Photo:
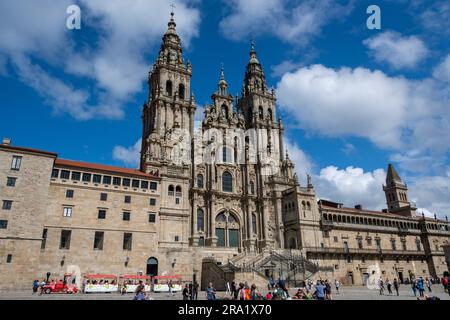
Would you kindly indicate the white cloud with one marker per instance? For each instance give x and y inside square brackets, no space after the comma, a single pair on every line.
[346,102]
[113,65]
[352,186]
[130,156]
[442,71]
[284,67]
[435,16]
[394,113]
[431,194]
[303,163]
[293,23]
[400,52]
[348,148]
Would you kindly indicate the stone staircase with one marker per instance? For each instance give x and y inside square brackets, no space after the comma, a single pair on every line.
[289,265]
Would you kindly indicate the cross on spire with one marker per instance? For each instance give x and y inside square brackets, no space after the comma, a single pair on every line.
[173,7]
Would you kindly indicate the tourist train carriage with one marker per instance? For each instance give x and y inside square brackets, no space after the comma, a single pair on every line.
[161,283]
[133,282]
[100,283]
[63,286]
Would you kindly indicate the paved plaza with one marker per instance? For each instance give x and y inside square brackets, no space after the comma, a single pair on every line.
[346,293]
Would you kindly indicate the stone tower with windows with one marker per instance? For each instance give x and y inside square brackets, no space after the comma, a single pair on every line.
[397,194]
[168,122]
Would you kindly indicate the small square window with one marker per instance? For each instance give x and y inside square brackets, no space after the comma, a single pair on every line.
[55,173]
[11,182]
[335,239]
[65,174]
[152,201]
[9,258]
[151,217]
[3,224]
[126,216]
[177,238]
[126,182]
[135,183]
[144,184]
[69,193]
[7,205]
[177,200]
[201,242]
[153,185]
[16,162]
[102,214]
[127,199]
[97,178]
[87,177]
[67,212]
[103,196]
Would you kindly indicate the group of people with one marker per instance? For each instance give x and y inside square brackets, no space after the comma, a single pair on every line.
[389,284]
[190,291]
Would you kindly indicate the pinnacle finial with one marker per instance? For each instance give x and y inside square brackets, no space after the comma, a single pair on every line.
[222,72]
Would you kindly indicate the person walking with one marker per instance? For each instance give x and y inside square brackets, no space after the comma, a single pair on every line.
[320,290]
[186,292]
[228,289]
[328,295]
[234,291]
[190,290]
[420,287]
[35,286]
[170,289]
[414,286]
[396,285]
[337,284]
[195,290]
[381,286]
[389,286]
[428,283]
[210,292]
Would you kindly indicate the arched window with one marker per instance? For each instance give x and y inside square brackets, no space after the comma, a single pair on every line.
[269,112]
[261,113]
[169,88]
[171,190]
[225,111]
[226,155]
[227,182]
[303,205]
[200,220]
[178,191]
[200,181]
[308,205]
[152,267]
[254,223]
[181,91]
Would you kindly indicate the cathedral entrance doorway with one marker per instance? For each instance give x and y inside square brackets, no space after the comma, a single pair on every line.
[152,267]
[227,230]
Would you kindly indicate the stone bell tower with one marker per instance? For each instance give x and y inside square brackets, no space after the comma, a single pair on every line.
[168,115]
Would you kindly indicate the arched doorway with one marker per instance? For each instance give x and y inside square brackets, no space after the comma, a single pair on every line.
[227,230]
[152,267]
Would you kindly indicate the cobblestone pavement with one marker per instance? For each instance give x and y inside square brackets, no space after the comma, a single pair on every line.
[346,293]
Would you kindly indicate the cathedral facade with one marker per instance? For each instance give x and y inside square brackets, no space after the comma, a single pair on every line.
[217,202]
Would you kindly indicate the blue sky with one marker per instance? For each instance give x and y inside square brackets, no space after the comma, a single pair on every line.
[352,99]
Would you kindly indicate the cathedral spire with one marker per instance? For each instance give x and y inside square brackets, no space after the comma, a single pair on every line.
[222,85]
[392,176]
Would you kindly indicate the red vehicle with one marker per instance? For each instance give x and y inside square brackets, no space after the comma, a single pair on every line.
[62,286]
